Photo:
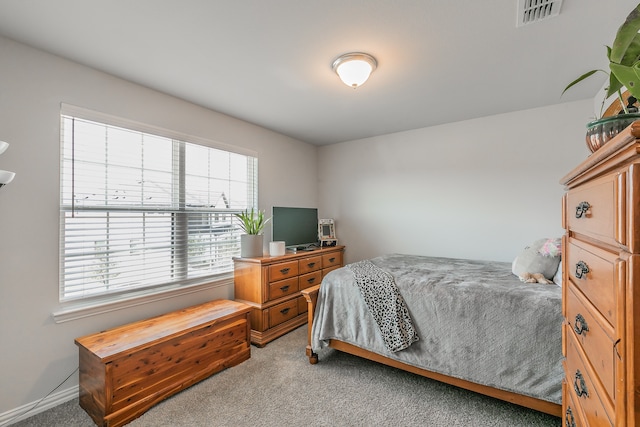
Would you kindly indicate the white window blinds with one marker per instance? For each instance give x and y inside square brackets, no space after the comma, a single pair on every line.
[140,211]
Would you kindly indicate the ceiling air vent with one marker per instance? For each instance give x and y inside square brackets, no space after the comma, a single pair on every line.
[530,11]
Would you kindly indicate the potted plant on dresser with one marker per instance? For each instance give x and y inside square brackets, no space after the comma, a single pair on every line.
[252,223]
[624,74]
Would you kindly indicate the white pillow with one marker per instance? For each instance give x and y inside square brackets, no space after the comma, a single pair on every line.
[557,278]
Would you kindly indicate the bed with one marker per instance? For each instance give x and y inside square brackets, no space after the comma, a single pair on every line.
[478,326]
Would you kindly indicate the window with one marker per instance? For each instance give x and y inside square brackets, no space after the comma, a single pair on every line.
[142,210]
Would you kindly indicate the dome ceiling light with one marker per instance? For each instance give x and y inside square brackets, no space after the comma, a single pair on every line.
[354,68]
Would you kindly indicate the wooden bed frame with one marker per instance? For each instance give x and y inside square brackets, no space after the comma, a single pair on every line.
[311,295]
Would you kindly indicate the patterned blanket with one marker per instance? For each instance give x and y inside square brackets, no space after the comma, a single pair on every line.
[386,305]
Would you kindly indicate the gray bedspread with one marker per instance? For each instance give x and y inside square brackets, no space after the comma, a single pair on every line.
[475,321]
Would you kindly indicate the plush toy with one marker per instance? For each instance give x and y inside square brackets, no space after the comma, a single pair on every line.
[538,262]
[534,278]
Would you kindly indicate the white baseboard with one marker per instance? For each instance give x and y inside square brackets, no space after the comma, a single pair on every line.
[28,410]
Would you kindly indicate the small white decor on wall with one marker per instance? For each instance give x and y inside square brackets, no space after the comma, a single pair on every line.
[5,176]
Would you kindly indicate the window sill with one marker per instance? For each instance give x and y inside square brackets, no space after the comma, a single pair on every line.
[80,309]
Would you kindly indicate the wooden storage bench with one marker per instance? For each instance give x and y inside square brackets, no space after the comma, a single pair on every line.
[126,370]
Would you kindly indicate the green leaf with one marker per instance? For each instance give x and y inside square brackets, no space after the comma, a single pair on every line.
[628,76]
[614,85]
[633,52]
[625,35]
[581,78]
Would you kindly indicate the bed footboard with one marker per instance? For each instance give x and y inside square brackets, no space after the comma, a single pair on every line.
[311,295]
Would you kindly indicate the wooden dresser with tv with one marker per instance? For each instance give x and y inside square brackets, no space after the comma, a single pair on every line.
[601,286]
[272,285]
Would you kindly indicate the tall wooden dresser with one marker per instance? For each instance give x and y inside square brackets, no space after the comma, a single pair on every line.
[272,285]
[601,286]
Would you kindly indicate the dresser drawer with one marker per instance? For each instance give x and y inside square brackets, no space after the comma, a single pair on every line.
[593,271]
[592,209]
[586,394]
[594,337]
[282,312]
[308,265]
[571,413]
[283,288]
[309,279]
[283,270]
[332,260]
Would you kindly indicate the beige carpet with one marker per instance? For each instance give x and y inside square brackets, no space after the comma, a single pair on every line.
[278,387]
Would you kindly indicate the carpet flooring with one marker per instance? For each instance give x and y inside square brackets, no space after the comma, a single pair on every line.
[278,387]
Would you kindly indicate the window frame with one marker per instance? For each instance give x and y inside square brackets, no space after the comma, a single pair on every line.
[87,306]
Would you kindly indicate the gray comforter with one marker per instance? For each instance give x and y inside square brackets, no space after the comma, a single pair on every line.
[475,321]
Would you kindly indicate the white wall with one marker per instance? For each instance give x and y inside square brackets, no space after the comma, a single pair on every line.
[478,189]
[36,354]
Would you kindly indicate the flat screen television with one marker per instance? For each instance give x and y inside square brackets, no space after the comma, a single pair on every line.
[297,227]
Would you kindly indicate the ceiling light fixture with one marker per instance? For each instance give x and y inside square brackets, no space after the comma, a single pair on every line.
[354,68]
[5,176]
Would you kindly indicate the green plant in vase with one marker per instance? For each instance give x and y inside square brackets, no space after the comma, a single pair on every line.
[624,60]
[252,223]
[624,72]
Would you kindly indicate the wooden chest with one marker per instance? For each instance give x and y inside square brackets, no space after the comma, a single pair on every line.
[600,300]
[272,285]
[126,370]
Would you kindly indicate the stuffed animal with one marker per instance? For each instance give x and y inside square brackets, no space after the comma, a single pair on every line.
[534,278]
[538,262]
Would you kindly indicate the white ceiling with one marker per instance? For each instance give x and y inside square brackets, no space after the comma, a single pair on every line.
[269,61]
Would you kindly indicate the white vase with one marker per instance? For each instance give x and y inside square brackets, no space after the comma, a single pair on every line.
[251,245]
[277,248]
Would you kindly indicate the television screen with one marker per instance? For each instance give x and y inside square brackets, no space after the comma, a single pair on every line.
[297,227]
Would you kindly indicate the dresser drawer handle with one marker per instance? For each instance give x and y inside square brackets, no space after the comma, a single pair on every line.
[311,280]
[311,264]
[581,326]
[581,269]
[285,310]
[284,270]
[332,260]
[284,288]
[579,385]
[569,420]
[582,209]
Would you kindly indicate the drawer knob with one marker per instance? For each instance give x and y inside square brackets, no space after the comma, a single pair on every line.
[569,420]
[332,259]
[582,209]
[285,310]
[581,269]
[580,326]
[284,288]
[311,280]
[311,264]
[284,270]
[579,385]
